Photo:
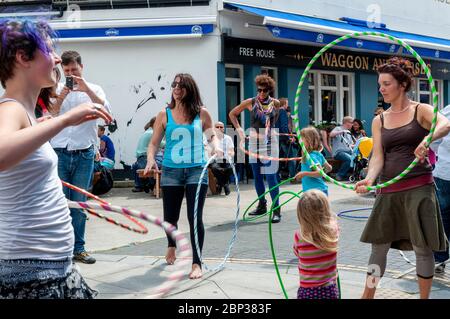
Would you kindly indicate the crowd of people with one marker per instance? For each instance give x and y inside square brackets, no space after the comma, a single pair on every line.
[50,132]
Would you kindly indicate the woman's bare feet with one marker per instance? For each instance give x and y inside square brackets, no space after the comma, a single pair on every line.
[196,272]
[170,255]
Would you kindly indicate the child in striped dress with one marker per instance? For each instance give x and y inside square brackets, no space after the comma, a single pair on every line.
[315,245]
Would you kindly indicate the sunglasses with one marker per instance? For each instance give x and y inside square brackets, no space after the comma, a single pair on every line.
[180,85]
[262,90]
[219,127]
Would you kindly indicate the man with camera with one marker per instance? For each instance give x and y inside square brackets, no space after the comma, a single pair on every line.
[75,145]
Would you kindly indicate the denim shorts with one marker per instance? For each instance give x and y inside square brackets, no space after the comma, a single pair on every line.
[182,176]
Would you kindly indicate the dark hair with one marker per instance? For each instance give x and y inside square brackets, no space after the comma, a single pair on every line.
[102,128]
[47,94]
[192,100]
[361,126]
[265,81]
[69,57]
[150,123]
[401,69]
[24,35]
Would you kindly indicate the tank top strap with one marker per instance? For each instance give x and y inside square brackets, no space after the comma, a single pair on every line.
[382,119]
[415,111]
[7,100]
[12,100]
[169,117]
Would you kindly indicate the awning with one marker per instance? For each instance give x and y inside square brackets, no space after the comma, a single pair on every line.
[322,31]
[133,29]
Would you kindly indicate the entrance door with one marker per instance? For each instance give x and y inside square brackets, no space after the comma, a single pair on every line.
[233,98]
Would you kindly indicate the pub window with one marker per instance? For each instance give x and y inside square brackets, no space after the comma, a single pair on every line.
[273,73]
[331,96]
[421,92]
[234,90]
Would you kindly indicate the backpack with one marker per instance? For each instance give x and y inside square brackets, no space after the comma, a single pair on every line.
[105,182]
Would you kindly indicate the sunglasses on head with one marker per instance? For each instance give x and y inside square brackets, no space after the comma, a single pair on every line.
[174,85]
[262,90]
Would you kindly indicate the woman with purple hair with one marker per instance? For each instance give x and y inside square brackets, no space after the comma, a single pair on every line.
[36,235]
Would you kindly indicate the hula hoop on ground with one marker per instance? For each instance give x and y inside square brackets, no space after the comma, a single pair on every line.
[304,76]
[143,229]
[236,221]
[182,242]
[343,214]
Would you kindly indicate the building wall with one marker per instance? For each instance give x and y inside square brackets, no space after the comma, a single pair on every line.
[131,72]
[366,91]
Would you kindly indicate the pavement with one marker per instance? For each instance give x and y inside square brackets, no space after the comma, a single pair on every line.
[130,265]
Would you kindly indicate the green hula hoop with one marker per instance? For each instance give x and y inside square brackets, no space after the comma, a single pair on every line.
[250,219]
[272,248]
[305,74]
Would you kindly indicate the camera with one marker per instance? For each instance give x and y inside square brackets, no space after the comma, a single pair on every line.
[69,82]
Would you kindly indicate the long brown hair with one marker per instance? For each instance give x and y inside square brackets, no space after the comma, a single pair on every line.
[47,94]
[192,100]
[318,224]
[312,138]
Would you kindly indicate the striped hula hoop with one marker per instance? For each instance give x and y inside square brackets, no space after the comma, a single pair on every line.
[236,221]
[182,243]
[304,77]
[265,157]
[143,230]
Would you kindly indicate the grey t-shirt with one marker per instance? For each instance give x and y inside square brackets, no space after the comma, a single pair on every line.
[341,142]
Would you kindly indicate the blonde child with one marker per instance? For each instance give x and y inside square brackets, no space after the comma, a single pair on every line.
[312,179]
[315,245]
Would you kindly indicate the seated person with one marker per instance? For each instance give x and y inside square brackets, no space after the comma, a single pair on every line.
[102,179]
[106,144]
[221,168]
[148,183]
[342,143]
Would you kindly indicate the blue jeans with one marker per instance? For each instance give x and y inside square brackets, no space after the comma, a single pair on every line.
[346,159]
[171,176]
[76,168]
[290,150]
[272,180]
[443,194]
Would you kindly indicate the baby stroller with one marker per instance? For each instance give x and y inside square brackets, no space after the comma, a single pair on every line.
[360,158]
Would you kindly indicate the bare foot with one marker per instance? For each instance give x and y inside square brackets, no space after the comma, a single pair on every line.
[170,255]
[196,272]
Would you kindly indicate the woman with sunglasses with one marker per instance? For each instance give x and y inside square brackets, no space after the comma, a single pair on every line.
[264,111]
[36,233]
[183,122]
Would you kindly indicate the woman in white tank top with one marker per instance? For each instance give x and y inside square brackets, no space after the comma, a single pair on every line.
[36,235]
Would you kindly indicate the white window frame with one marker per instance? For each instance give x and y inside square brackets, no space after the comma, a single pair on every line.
[440,87]
[241,84]
[339,89]
[275,77]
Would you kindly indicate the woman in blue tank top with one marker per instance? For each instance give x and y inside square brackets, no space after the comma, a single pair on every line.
[183,123]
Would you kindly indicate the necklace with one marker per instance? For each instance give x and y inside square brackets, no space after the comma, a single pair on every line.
[397,112]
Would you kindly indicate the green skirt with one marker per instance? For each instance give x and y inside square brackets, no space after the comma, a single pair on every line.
[407,218]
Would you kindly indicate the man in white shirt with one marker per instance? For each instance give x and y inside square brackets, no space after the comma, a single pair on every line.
[221,168]
[342,143]
[442,179]
[75,145]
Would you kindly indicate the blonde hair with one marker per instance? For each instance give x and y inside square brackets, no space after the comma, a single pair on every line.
[318,224]
[312,138]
